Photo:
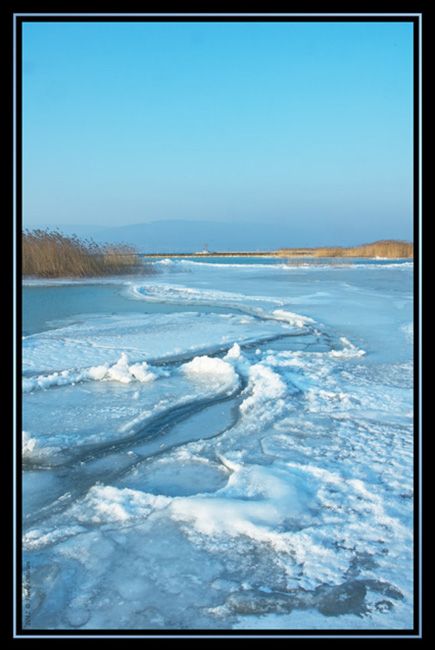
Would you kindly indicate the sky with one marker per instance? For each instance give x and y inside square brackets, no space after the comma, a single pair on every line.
[308,125]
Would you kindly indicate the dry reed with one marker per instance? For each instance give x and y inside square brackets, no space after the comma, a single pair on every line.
[389,248]
[51,254]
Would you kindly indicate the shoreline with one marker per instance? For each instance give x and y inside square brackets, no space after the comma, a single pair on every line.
[269,255]
[378,250]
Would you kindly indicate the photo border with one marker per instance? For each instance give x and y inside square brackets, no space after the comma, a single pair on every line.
[88,16]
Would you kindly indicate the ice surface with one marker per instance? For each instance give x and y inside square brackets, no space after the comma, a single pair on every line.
[120,371]
[266,392]
[243,462]
[29,444]
[290,317]
[213,371]
[176,474]
[100,340]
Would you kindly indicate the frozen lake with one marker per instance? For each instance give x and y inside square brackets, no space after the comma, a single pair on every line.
[223,444]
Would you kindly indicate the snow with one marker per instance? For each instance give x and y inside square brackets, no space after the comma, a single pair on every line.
[348,351]
[124,373]
[242,460]
[212,371]
[120,371]
[29,444]
[408,330]
[234,352]
[186,294]
[291,318]
[105,504]
[264,386]
[101,339]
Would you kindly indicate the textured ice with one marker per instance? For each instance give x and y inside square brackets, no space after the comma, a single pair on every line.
[190,474]
[29,444]
[408,330]
[91,415]
[264,386]
[242,470]
[314,265]
[213,371]
[175,293]
[291,318]
[120,371]
[100,340]
[233,352]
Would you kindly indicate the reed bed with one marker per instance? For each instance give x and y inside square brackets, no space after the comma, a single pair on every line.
[51,254]
[389,248]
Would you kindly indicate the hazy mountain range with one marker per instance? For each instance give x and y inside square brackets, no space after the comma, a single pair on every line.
[185,236]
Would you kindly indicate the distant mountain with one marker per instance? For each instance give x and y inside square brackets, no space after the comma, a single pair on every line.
[188,236]
[183,236]
[81,230]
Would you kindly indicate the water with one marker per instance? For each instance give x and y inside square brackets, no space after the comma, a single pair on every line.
[222,444]
[43,306]
[301,261]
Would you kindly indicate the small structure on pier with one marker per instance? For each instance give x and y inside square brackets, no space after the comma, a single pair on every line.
[204,251]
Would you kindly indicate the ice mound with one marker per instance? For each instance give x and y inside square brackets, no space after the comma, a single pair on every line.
[120,371]
[264,385]
[32,451]
[106,504]
[291,318]
[254,503]
[61,378]
[37,539]
[349,350]
[234,352]
[29,444]
[218,373]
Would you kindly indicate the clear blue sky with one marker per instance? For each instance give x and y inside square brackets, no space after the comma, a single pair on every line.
[300,123]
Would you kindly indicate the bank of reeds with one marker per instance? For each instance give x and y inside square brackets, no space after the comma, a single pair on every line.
[389,248]
[51,254]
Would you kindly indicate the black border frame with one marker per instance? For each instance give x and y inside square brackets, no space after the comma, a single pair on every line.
[18,18]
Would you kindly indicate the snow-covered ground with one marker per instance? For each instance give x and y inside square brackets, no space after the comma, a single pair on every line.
[220,446]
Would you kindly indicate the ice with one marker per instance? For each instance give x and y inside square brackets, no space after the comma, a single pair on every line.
[100,340]
[32,450]
[88,416]
[120,371]
[213,371]
[106,504]
[349,350]
[408,330]
[184,294]
[242,460]
[234,352]
[291,318]
[266,392]
[190,475]
[29,444]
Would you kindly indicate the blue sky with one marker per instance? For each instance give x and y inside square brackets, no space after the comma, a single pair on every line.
[307,124]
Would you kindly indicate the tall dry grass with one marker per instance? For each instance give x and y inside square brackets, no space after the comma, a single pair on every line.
[51,254]
[384,248]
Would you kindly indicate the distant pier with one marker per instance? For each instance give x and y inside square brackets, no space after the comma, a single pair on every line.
[226,254]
